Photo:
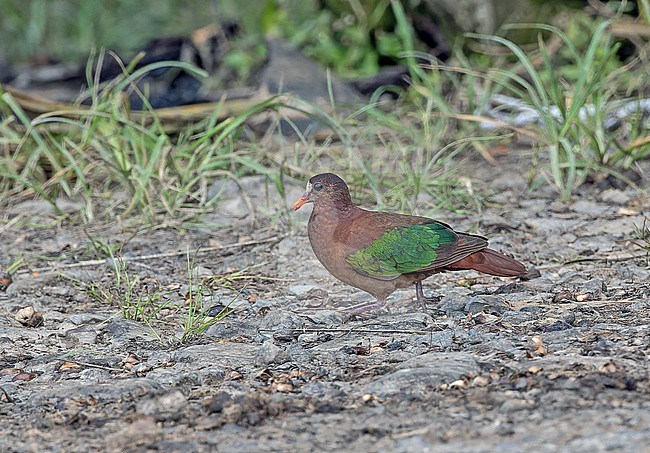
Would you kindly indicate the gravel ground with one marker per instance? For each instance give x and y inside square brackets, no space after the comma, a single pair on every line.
[556,363]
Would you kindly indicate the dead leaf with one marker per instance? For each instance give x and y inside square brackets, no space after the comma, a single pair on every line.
[466,282]
[233,375]
[537,345]
[265,375]
[5,281]
[609,367]
[377,348]
[498,150]
[70,367]
[484,318]
[24,377]
[29,317]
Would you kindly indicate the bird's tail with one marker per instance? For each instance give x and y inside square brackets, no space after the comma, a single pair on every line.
[490,262]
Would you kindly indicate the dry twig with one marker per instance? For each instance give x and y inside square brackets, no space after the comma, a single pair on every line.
[155,256]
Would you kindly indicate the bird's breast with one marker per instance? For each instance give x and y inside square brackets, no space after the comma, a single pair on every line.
[327,246]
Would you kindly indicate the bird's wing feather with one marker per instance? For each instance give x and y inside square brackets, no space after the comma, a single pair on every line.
[420,247]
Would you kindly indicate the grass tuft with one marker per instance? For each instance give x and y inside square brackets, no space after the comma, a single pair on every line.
[574,132]
[642,235]
[175,312]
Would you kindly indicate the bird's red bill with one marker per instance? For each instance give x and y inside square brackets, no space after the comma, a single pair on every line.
[301,201]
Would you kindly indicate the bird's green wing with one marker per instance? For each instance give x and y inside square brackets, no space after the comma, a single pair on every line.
[403,249]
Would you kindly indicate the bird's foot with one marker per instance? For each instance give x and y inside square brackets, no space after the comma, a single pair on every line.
[366,309]
[424,300]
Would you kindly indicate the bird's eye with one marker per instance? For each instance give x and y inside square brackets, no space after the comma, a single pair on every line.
[318,187]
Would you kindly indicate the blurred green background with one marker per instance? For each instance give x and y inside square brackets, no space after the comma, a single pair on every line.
[355,36]
[68,29]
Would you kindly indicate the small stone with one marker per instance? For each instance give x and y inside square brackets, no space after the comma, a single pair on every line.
[281,319]
[166,407]
[269,353]
[288,246]
[458,384]
[594,285]
[627,212]
[452,304]
[488,304]
[285,335]
[563,297]
[521,384]
[83,335]
[431,370]
[94,374]
[569,317]
[516,317]
[327,317]
[124,330]
[615,196]
[476,305]
[304,291]
[480,381]
[85,318]
[547,226]
[531,274]
[513,405]
[141,431]
[5,281]
[609,367]
[589,207]
[202,271]
[284,388]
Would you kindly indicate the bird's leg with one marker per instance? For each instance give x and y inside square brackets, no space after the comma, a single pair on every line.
[422,299]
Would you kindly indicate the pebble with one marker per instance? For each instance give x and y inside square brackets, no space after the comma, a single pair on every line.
[269,353]
[124,330]
[166,407]
[615,196]
[590,208]
[552,226]
[425,371]
[86,318]
[303,290]
[513,405]
[453,304]
[83,335]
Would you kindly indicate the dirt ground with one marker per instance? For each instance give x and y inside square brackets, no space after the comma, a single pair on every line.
[557,363]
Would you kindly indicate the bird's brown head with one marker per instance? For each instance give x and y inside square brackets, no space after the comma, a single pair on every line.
[325,189]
